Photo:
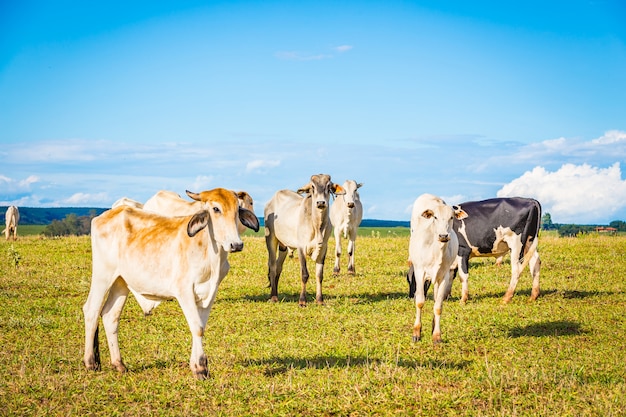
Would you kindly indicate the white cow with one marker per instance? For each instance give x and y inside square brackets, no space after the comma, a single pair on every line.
[346,214]
[125,201]
[433,249]
[299,220]
[12,217]
[161,258]
[169,203]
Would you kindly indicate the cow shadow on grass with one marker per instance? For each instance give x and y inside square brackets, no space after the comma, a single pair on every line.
[525,294]
[550,328]
[281,365]
[293,297]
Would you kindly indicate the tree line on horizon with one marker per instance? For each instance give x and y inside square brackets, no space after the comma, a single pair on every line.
[66,221]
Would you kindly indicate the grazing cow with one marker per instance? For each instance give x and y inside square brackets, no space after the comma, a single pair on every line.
[495,227]
[12,217]
[161,258]
[299,222]
[345,215]
[168,203]
[433,249]
[125,201]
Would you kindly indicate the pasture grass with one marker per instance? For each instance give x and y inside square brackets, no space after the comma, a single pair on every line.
[563,354]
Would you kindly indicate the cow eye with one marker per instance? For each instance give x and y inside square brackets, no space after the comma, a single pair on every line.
[216,210]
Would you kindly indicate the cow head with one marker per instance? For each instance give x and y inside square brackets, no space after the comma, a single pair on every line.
[220,212]
[351,194]
[433,217]
[320,188]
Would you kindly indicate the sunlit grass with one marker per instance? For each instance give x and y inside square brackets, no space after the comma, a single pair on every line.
[561,355]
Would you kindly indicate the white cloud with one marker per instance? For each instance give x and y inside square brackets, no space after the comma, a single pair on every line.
[202,183]
[85,198]
[261,165]
[610,137]
[343,48]
[573,193]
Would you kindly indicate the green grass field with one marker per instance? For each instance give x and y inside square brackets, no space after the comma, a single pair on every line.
[562,355]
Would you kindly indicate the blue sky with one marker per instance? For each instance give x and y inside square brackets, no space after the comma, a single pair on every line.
[466,100]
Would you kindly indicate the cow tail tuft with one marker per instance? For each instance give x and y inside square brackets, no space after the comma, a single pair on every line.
[96,349]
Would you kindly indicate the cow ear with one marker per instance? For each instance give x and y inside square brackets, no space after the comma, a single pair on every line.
[359,185]
[198,221]
[249,219]
[337,189]
[459,213]
[304,190]
[240,194]
[192,195]
[427,214]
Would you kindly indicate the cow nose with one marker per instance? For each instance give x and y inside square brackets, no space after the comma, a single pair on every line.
[351,205]
[321,204]
[444,237]
[236,246]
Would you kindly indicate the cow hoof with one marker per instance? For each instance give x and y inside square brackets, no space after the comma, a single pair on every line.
[274,299]
[92,366]
[336,271]
[201,375]
[416,339]
[437,341]
[302,304]
[120,367]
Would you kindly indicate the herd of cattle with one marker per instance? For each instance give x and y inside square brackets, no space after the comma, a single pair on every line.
[172,248]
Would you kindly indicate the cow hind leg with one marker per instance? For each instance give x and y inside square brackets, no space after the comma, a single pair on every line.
[304,273]
[91,312]
[111,313]
[535,267]
[337,267]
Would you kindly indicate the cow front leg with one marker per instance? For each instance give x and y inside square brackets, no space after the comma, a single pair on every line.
[439,294]
[420,299]
[319,278]
[351,247]
[515,273]
[197,360]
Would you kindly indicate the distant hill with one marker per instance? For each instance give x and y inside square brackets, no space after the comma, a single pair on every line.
[45,216]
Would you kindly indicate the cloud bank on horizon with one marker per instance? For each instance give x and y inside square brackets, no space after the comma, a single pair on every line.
[96,173]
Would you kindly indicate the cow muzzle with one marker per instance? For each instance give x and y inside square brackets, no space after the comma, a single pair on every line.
[321,204]
[350,204]
[236,246]
[444,238]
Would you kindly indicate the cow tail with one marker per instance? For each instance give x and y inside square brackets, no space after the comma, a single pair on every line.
[96,349]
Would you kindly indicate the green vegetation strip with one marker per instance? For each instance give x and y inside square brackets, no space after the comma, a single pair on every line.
[561,355]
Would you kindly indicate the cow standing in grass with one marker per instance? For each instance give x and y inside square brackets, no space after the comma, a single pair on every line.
[300,221]
[345,215]
[494,228]
[12,217]
[433,249]
[161,258]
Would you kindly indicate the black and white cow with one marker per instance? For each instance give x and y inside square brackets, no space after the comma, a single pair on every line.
[494,227]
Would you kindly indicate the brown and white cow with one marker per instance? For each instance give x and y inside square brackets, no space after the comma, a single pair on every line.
[346,214]
[161,258]
[496,227]
[433,249]
[12,217]
[300,221]
[169,203]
